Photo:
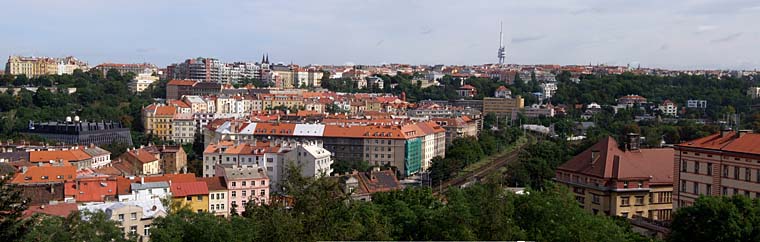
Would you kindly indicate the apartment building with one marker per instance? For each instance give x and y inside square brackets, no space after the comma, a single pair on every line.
[503,107]
[124,68]
[141,82]
[399,145]
[184,128]
[722,164]
[141,161]
[217,193]
[314,160]
[668,108]
[135,218]
[629,182]
[192,195]
[245,184]
[198,69]
[457,128]
[158,120]
[40,66]
[175,89]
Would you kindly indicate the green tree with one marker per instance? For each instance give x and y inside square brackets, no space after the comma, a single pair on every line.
[734,218]
[78,226]
[12,205]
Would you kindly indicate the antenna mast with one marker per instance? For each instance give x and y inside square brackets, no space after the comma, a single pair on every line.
[502,53]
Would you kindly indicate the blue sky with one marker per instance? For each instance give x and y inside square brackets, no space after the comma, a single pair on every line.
[671,34]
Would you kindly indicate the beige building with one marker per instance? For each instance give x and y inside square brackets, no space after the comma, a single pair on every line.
[722,164]
[135,218]
[627,183]
[503,107]
[457,127]
[40,66]
[184,128]
[141,82]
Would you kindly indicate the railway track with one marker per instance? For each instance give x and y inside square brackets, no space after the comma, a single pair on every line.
[481,171]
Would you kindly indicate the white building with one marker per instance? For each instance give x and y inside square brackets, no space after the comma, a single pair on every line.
[184,128]
[144,191]
[100,157]
[696,103]
[669,108]
[754,92]
[314,160]
[548,89]
[141,82]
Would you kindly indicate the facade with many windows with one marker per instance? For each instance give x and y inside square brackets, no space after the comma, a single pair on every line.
[722,164]
[627,183]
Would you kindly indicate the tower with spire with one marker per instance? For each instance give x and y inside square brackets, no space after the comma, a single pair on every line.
[502,54]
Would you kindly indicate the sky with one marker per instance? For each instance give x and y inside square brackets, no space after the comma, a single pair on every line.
[673,34]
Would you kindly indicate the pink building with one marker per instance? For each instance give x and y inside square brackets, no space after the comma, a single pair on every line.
[244,184]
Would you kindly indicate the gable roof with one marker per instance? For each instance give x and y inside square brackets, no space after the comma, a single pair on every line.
[655,165]
[183,189]
[748,143]
[55,155]
[44,174]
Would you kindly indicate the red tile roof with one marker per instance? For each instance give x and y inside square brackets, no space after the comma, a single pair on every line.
[748,143]
[183,189]
[65,155]
[44,174]
[60,210]
[614,163]
[216,183]
[181,83]
[142,155]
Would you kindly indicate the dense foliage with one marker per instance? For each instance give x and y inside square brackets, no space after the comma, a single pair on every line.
[78,226]
[480,212]
[97,97]
[12,205]
[724,95]
[734,218]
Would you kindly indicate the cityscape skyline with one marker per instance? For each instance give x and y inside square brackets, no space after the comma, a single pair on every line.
[675,35]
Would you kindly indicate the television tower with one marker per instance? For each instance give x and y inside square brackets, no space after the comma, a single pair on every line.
[502,52]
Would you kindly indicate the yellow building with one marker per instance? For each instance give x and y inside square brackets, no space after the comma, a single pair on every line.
[142,161]
[40,66]
[503,107]
[191,195]
[158,119]
[627,183]
[270,101]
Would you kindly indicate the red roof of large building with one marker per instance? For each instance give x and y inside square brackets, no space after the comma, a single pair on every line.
[611,162]
[43,174]
[730,141]
[180,83]
[184,189]
[57,155]
[60,210]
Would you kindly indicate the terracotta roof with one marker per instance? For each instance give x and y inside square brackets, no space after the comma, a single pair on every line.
[179,103]
[188,177]
[216,183]
[142,155]
[60,209]
[656,165]
[95,189]
[44,174]
[183,189]
[181,83]
[165,110]
[748,143]
[65,155]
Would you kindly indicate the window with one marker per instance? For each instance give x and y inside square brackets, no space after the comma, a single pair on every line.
[594,198]
[641,184]
[234,194]
[243,183]
[709,169]
[133,229]
[234,184]
[189,198]
[200,197]
[708,189]
[262,192]
[725,171]
[243,193]
[625,184]
[725,191]
[639,200]
[625,201]
[736,172]
[696,167]
[683,166]
[683,186]
[696,188]
[747,174]
[146,230]
[121,217]
[133,216]
[624,215]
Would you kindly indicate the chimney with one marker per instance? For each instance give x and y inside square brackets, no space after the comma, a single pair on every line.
[634,142]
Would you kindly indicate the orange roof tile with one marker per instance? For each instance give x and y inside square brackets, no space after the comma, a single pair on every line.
[65,155]
[181,83]
[183,189]
[43,174]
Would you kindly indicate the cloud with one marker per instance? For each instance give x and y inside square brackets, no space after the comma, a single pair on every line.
[519,40]
[727,38]
[705,28]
